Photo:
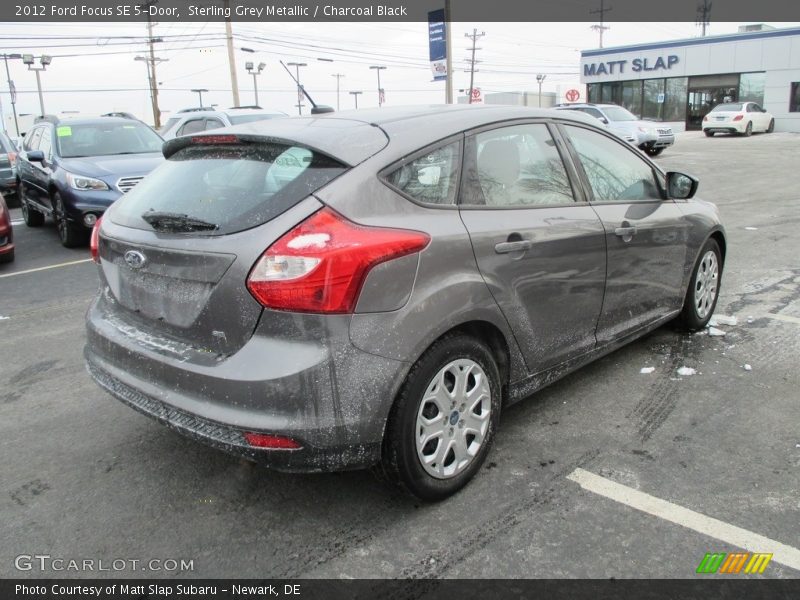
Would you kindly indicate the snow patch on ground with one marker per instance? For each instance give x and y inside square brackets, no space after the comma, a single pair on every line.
[722,320]
[647,370]
[685,371]
[713,331]
[2,318]
[747,367]
[751,228]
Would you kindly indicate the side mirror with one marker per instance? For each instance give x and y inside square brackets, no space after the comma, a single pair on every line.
[681,186]
[35,156]
[604,120]
[763,110]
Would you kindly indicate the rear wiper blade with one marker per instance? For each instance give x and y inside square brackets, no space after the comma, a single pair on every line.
[167,221]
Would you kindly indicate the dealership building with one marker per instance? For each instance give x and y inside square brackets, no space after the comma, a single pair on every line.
[682,80]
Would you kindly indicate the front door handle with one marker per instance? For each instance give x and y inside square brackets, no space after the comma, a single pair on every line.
[517,246]
[625,231]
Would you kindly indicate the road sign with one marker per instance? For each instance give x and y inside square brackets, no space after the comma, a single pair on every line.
[476,95]
[572,95]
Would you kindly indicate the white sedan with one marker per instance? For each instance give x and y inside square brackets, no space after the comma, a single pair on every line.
[738,117]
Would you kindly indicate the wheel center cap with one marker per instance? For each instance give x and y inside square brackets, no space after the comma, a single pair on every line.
[454,417]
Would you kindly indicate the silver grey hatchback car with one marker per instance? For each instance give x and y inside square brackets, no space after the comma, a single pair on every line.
[372,288]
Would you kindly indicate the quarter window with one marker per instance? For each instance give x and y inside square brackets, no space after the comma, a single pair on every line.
[515,166]
[431,177]
[614,172]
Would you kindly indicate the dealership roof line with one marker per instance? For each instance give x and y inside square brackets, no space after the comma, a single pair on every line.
[730,37]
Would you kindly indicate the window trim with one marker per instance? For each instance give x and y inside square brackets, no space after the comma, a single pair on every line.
[578,195]
[383,173]
[584,178]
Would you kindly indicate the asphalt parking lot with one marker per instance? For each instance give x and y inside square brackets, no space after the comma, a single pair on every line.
[83,476]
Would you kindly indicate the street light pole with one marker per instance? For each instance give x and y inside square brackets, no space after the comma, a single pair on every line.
[378,70]
[44,60]
[255,71]
[540,78]
[200,91]
[299,87]
[355,97]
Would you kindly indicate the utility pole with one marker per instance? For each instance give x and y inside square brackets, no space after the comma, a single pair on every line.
[355,97]
[231,58]
[338,77]
[474,37]
[703,14]
[299,104]
[151,65]
[12,91]
[602,12]
[378,69]
[448,84]
[540,79]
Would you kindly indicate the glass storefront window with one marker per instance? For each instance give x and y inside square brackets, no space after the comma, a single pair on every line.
[632,96]
[651,107]
[751,87]
[794,99]
[594,93]
[675,99]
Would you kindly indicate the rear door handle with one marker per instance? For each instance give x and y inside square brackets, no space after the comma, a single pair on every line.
[517,246]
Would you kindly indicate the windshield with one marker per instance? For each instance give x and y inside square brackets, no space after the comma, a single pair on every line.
[224,189]
[617,113]
[238,119]
[168,125]
[106,139]
[730,107]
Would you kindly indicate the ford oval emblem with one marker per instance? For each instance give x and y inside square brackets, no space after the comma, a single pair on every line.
[135,259]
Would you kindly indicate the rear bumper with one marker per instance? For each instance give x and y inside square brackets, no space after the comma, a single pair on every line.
[726,127]
[327,395]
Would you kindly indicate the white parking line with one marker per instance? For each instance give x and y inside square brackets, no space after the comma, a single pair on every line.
[66,264]
[725,532]
[17,222]
[784,318]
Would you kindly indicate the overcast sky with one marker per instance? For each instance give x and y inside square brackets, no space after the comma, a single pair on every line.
[103,75]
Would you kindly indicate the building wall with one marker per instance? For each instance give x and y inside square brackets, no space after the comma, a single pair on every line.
[775,52]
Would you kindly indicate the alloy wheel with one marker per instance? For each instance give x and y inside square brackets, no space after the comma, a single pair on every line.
[706,284]
[453,418]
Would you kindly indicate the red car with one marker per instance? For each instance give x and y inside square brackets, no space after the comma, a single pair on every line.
[6,234]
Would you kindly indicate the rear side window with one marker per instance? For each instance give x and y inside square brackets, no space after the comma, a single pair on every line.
[431,177]
[230,187]
[192,126]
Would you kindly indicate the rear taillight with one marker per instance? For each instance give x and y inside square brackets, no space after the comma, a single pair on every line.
[320,265]
[738,117]
[12,158]
[266,440]
[94,241]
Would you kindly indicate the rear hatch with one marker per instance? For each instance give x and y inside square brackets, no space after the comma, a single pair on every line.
[177,249]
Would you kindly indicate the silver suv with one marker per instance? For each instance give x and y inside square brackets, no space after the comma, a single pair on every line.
[195,120]
[375,287]
[648,136]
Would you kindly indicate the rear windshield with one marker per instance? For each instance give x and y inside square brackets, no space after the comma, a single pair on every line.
[107,138]
[229,188]
[239,119]
[731,107]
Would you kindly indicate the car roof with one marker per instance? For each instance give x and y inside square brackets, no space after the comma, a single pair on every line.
[89,121]
[353,136]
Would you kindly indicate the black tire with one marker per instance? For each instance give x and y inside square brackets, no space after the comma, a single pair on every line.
[72,236]
[400,463]
[748,131]
[7,257]
[654,151]
[771,127]
[708,133]
[691,318]
[31,216]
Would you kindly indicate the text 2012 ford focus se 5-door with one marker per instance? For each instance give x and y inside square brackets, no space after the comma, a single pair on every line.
[365,288]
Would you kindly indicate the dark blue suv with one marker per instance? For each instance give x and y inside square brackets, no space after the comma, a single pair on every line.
[72,170]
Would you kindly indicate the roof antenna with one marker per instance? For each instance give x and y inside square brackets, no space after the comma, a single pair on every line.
[316,109]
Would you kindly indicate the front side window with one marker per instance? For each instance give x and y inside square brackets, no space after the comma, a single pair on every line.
[516,166]
[32,139]
[615,173]
[46,144]
[192,126]
[431,177]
